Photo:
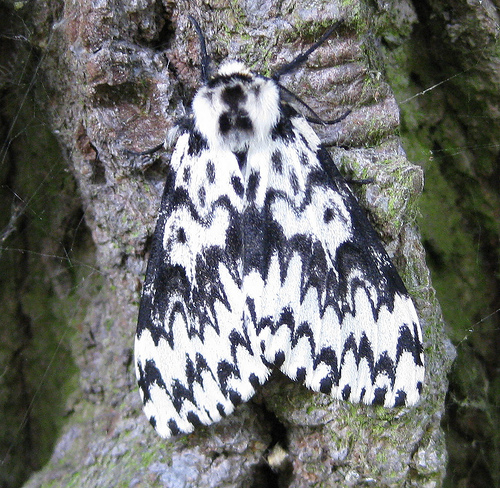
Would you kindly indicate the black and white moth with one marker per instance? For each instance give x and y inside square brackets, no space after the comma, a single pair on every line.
[263,258]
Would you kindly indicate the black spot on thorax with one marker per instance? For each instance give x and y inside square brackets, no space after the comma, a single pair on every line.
[233,96]
[241,157]
[237,119]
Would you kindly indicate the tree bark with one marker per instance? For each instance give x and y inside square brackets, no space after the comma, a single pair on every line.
[442,60]
[112,78]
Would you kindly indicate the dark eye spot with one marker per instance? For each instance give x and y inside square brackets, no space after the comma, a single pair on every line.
[304,159]
[186,176]
[210,172]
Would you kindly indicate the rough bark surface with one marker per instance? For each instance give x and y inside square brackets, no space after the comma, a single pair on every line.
[443,61]
[111,77]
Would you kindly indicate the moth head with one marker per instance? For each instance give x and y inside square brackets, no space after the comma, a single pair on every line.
[236,108]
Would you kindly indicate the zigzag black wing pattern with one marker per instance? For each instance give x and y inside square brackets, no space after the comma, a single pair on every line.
[194,357]
[262,257]
[328,305]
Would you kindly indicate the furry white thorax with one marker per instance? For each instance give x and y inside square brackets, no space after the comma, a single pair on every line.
[246,102]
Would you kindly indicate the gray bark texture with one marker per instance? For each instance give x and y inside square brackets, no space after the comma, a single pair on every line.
[83,82]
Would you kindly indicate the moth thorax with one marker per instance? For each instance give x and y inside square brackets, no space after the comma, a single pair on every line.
[236,110]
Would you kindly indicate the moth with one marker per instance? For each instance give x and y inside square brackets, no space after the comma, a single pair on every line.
[262,258]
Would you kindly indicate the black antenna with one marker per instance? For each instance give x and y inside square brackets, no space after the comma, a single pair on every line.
[292,95]
[315,119]
[301,58]
[205,60]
